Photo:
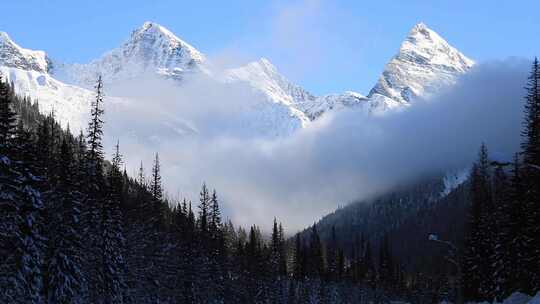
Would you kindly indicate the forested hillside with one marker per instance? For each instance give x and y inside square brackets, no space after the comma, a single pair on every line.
[480,242]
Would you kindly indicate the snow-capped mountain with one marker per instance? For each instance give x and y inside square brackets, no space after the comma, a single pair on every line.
[29,70]
[69,103]
[14,56]
[150,48]
[67,89]
[425,63]
[263,77]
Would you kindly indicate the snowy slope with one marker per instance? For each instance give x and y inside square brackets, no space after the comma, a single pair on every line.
[69,103]
[28,71]
[332,102]
[425,63]
[263,77]
[452,180]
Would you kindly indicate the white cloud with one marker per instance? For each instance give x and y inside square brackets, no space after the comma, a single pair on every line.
[343,157]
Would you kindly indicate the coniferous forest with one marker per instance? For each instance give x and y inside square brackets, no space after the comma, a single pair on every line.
[76,228]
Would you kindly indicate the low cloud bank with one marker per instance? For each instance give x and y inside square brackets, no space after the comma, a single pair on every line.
[206,131]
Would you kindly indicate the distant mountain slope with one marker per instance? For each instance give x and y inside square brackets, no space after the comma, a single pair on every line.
[407,215]
[70,104]
[264,77]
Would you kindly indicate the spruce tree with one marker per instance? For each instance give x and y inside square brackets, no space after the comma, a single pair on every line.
[7,118]
[204,211]
[340,264]
[80,159]
[95,195]
[112,249]
[473,255]
[510,256]
[141,179]
[500,234]
[298,270]
[21,211]
[65,279]
[331,256]
[155,185]
[215,217]
[95,133]
[531,171]
[316,259]
[217,250]
[32,241]
[479,240]
[274,249]
[371,274]
[282,252]
[386,264]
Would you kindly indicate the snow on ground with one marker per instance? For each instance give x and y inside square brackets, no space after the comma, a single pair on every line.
[69,103]
[453,179]
[535,300]
[517,298]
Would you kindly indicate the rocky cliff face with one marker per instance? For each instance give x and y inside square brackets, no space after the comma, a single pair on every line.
[425,63]
[12,55]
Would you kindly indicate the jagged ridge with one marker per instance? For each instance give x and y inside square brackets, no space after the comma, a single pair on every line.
[425,62]
[150,48]
[12,55]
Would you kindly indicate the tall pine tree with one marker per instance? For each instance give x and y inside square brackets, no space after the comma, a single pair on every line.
[112,250]
[479,240]
[531,171]
[65,279]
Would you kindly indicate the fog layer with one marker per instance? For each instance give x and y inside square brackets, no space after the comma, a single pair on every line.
[206,131]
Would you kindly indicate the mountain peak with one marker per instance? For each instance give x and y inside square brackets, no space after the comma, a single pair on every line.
[425,62]
[148,24]
[421,32]
[421,36]
[264,66]
[266,62]
[156,35]
[419,27]
[4,37]
[150,48]
[12,55]
[155,29]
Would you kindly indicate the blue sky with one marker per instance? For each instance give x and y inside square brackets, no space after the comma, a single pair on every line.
[325,46]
